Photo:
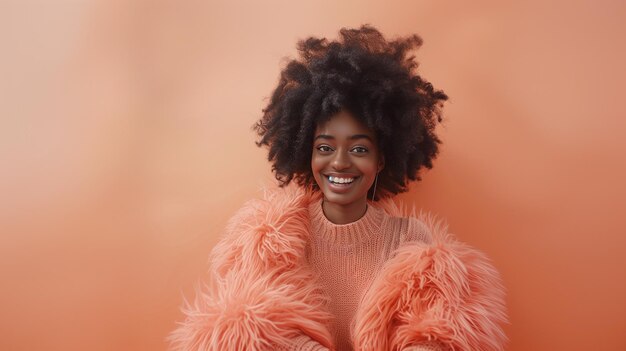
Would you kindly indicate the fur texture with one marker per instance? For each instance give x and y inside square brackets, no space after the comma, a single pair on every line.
[262,293]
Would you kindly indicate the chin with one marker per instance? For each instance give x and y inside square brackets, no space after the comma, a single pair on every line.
[342,199]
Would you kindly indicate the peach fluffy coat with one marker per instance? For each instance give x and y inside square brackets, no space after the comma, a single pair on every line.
[261,291]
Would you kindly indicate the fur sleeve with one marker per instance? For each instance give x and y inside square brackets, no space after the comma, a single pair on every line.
[258,294]
[236,314]
[446,291]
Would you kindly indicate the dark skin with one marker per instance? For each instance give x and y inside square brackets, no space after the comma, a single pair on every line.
[346,151]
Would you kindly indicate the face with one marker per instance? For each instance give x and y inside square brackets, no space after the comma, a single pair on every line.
[345,159]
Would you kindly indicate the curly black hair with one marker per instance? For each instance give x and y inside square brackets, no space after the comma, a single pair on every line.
[370,77]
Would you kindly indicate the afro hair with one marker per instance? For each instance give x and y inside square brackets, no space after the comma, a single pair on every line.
[375,80]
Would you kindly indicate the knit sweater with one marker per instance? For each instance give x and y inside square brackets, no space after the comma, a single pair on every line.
[347,257]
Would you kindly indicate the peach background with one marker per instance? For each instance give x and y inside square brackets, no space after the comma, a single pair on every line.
[125,144]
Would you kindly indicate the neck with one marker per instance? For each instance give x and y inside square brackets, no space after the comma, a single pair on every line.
[342,214]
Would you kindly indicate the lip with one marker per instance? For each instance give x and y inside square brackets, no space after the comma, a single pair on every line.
[341,188]
[341,175]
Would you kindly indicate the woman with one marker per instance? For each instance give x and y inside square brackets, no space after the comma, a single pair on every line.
[330,262]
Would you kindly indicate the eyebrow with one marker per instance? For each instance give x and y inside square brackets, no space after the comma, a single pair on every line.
[352,137]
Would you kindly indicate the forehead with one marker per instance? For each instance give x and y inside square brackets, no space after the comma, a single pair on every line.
[343,123]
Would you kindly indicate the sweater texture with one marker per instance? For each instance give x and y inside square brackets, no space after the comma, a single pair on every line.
[346,258]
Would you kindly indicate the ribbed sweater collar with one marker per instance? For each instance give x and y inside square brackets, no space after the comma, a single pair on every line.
[361,230]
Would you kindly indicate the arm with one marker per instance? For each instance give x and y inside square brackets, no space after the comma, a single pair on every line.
[256,297]
[444,290]
[239,314]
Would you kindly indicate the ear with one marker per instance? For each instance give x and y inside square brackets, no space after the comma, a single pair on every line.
[381,162]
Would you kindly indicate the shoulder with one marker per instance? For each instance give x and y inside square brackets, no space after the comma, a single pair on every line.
[409,229]
[410,224]
[274,207]
[266,232]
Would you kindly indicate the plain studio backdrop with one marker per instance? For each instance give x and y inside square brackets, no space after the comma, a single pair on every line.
[125,145]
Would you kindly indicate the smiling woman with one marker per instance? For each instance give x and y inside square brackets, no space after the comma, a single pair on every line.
[330,262]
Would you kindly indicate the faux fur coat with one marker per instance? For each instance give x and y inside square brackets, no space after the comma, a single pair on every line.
[261,291]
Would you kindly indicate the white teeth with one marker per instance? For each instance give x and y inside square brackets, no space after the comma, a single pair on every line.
[340,180]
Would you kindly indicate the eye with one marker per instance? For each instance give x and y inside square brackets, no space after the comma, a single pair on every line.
[359,149]
[324,148]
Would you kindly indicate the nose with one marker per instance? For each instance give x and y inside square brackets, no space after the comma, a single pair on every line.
[341,160]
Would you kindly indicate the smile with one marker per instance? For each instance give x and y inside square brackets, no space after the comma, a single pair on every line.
[340,180]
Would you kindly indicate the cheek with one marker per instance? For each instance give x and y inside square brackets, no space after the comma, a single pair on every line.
[369,166]
[314,164]
[315,168]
